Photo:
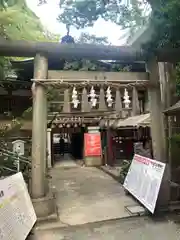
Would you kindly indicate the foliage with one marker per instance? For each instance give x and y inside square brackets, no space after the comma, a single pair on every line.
[124,170]
[166,22]
[177,76]
[87,65]
[92,39]
[14,126]
[8,160]
[162,15]
[84,13]
[132,14]
[18,22]
[175,139]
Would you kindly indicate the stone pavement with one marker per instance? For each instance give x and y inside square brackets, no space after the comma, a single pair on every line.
[64,161]
[142,228]
[87,195]
[91,205]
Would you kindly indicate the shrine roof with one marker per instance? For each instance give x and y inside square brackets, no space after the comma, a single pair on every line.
[142,120]
[173,109]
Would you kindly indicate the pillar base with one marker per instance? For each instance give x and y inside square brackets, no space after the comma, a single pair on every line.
[93,161]
[45,207]
[163,200]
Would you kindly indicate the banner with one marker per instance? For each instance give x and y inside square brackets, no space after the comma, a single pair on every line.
[17,215]
[143,180]
[92,144]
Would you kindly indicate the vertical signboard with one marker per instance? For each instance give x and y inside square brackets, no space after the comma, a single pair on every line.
[17,215]
[143,180]
[92,142]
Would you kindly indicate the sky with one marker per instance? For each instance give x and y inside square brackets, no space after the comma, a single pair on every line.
[48,14]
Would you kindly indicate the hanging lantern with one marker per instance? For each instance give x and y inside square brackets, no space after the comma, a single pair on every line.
[75,100]
[93,96]
[109,97]
[68,125]
[126,98]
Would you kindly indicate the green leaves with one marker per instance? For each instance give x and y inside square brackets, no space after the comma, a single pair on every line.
[18,22]
[92,39]
[166,22]
[84,13]
[124,170]
[178,79]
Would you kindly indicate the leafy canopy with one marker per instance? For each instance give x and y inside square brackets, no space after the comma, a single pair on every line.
[92,39]
[84,13]
[166,22]
[18,22]
[131,14]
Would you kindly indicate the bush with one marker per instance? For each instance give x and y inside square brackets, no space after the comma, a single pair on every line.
[124,170]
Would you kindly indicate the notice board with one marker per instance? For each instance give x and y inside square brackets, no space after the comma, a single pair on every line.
[92,144]
[143,180]
[17,215]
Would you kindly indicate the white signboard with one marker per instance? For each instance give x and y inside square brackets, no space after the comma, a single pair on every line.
[17,215]
[143,180]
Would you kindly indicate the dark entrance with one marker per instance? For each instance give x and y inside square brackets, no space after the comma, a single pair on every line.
[74,143]
[77,145]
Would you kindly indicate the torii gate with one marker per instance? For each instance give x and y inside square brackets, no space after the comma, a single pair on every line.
[42,198]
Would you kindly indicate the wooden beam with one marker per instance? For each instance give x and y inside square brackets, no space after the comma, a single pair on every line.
[21,48]
[80,76]
[69,51]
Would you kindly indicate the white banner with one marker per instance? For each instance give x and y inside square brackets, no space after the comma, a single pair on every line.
[143,180]
[17,215]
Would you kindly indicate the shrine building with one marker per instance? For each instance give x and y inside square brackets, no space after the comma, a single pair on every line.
[119,95]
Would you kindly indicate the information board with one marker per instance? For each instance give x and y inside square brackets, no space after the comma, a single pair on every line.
[143,180]
[17,215]
[92,143]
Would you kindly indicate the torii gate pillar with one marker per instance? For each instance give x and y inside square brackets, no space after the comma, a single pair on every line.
[158,130]
[42,199]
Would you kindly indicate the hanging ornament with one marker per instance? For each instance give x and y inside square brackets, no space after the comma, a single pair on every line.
[75,100]
[109,97]
[126,98]
[93,96]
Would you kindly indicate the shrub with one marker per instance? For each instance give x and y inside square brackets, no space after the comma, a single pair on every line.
[124,170]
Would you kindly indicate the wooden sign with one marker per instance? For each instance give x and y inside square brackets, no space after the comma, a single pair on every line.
[92,144]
